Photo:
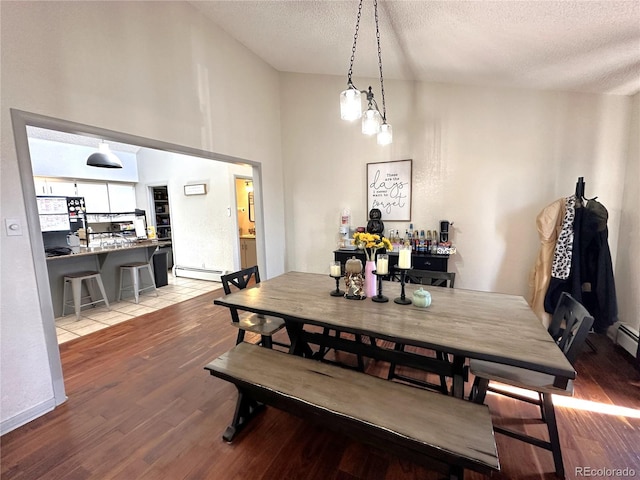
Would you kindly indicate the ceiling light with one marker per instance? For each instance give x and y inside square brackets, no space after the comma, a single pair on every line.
[373,122]
[248,186]
[104,158]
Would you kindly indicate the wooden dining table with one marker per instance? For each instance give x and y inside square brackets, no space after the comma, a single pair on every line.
[462,323]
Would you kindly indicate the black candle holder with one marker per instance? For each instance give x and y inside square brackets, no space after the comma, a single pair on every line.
[337,292]
[379,298]
[402,300]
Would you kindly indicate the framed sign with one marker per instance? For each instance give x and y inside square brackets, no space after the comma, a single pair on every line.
[196,189]
[389,189]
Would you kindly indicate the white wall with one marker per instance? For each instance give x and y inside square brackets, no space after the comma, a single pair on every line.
[487,159]
[154,69]
[627,268]
[55,159]
[204,235]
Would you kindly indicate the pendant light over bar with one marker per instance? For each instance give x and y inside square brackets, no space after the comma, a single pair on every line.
[373,122]
[104,158]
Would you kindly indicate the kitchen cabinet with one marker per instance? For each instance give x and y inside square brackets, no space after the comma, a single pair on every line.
[248,254]
[58,188]
[122,197]
[96,196]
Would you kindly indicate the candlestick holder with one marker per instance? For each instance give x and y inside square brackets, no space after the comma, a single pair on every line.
[402,300]
[337,292]
[379,298]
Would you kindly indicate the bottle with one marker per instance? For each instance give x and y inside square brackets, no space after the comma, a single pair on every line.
[434,243]
[428,241]
[410,231]
[421,245]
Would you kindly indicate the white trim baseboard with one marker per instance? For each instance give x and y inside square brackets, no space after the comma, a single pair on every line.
[26,416]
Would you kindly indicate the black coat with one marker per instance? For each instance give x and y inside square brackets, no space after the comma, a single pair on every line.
[591,280]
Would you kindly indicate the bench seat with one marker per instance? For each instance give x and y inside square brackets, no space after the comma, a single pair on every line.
[442,432]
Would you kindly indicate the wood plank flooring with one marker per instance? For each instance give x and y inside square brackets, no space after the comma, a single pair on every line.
[141,406]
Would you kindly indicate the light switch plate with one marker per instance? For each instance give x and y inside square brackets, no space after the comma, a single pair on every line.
[13,227]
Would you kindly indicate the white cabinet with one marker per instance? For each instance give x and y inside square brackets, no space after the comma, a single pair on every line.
[96,196]
[52,186]
[122,197]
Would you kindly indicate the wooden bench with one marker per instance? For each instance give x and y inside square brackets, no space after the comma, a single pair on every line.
[444,433]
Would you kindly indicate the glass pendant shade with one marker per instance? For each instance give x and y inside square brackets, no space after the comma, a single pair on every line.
[385,135]
[350,104]
[371,121]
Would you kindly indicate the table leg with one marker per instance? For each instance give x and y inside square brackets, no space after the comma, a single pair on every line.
[459,377]
[298,345]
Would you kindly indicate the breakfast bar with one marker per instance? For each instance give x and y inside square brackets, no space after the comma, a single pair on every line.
[106,260]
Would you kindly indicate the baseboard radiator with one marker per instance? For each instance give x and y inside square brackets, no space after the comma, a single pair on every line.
[198,273]
[627,338]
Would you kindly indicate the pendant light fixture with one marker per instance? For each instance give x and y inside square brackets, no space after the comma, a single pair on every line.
[373,122]
[104,157]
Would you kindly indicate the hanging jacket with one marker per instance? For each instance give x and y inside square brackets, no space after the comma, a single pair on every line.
[596,270]
[549,223]
[591,280]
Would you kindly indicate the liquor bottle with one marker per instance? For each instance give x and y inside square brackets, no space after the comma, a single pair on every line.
[434,243]
[428,241]
[421,245]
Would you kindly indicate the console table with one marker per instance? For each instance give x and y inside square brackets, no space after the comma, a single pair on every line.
[420,261]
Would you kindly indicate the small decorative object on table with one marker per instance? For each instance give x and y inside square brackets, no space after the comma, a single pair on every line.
[371,243]
[421,298]
[404,264]
[335,271]
[354,280]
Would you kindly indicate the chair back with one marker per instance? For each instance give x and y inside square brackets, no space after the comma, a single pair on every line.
[570,326]
[429,277]
[240,280]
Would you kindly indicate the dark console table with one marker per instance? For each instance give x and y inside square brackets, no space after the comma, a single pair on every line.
[420,261]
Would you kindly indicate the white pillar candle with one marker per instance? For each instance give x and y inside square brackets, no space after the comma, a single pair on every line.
[382,265]
[404,258]
[335,271]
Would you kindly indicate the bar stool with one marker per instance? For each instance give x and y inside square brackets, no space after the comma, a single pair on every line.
[134,270]
[75,281]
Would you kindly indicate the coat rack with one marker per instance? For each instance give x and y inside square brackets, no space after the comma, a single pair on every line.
[580,188]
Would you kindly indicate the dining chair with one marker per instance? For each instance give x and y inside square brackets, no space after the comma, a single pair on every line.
[263,325]
[437,279]
[569,327]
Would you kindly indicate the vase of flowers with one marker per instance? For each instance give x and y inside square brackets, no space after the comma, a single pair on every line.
[370,243]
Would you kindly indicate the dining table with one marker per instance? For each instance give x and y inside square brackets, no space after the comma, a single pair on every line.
[463,324]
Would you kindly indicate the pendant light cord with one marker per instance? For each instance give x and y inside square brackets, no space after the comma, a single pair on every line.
[353,48]
[375,9]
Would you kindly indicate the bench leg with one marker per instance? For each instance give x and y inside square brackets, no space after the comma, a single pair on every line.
[246,409]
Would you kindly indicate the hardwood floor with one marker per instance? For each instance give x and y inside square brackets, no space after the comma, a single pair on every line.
[141,406]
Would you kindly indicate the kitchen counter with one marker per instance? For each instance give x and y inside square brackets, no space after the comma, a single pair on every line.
[113,248]
[107,260]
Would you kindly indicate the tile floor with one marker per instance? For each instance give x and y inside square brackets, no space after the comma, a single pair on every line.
[93,319]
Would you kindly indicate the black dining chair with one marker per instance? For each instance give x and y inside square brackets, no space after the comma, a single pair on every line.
[431,278]
[263,325]
[569,327]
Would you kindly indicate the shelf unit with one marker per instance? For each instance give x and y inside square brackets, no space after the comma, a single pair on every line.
[161,212]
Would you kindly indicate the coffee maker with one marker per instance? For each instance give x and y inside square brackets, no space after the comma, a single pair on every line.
[444,230]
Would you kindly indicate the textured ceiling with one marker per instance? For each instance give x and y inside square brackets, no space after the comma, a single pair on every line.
[586,46]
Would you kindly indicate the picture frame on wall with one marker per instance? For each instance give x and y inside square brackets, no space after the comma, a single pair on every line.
[389,189]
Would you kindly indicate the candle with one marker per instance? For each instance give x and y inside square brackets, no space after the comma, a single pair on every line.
[382,265]
[335,270]
[404,258]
